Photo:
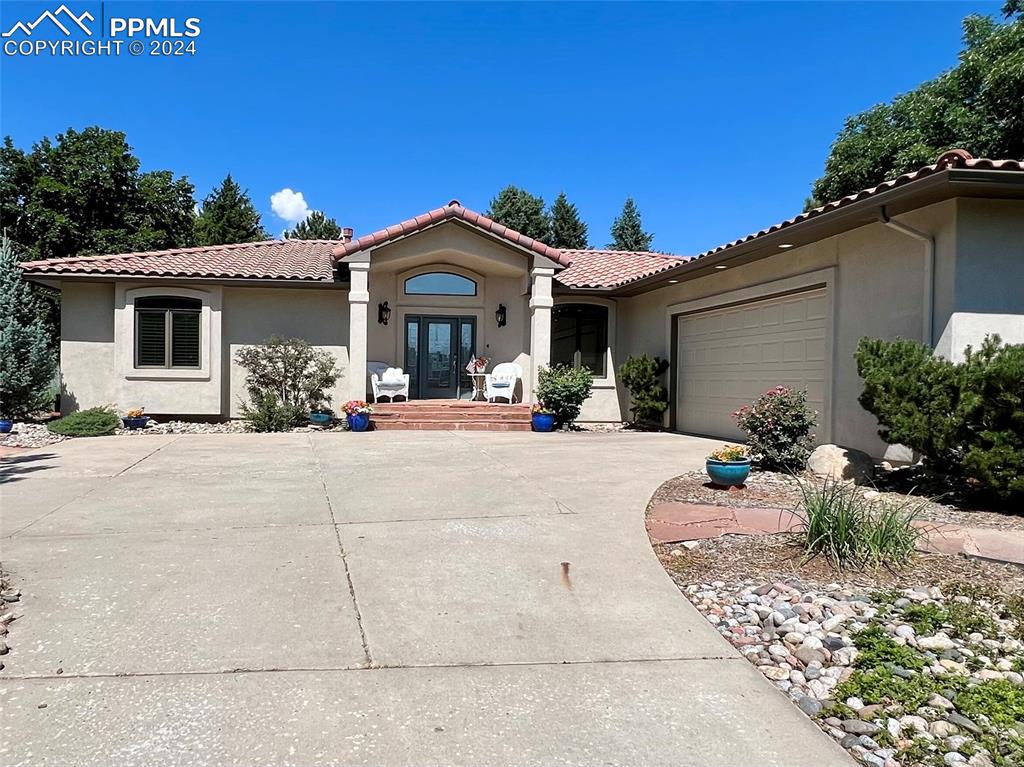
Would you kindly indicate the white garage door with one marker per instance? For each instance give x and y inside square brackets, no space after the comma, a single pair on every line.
[728,357]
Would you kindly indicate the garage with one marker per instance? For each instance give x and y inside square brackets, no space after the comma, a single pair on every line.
[725,357]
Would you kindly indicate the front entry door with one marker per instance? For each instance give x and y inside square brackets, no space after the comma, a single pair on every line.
[437,350]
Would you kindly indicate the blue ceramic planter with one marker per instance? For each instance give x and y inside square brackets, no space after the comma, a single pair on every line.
[6,424]
[543,421]
[728,473]
[135,423]
[358,422]
[320,419]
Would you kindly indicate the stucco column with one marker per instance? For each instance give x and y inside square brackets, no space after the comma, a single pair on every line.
[358,301]
[540,325]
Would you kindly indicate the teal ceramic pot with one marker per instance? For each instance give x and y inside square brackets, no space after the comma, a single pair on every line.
[728,473]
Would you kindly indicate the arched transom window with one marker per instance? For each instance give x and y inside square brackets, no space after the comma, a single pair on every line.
[167,332]
[440,284]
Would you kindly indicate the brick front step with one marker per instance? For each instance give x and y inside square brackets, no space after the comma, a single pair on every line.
[427,425]
[458,415]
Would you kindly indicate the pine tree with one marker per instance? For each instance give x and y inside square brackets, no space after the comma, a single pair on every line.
[228,216]
[29,363]
[567,228]
[518,209]
[316,226]
[627,230]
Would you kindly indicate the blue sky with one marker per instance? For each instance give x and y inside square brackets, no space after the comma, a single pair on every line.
[716,118]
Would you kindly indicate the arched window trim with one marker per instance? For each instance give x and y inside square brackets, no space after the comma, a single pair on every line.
[461,277]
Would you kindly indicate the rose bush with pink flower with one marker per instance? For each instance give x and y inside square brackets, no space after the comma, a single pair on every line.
[779,428]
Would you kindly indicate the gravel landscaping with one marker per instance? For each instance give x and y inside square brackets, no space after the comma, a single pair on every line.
[899,677]
[772,489]
[29,435]
[9,596]
[918,666]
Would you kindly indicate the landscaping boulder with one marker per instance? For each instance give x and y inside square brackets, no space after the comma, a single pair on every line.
[841,464]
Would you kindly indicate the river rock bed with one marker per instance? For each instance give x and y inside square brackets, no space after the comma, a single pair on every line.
[911,676]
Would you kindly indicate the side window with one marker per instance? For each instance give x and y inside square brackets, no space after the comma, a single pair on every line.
[167,332]
[579,337]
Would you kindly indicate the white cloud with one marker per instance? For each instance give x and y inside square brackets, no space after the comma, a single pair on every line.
[290,206]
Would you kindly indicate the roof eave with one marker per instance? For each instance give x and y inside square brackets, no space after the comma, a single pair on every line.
[942,185]
[53,280]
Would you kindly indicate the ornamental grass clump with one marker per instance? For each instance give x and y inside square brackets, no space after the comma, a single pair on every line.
[779,428]
[851,531]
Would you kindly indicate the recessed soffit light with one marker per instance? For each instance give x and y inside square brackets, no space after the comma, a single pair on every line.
[721,266]
[673,282]
[786,245]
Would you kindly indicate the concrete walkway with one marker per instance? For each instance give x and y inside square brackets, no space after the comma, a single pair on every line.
[675,522]
[405,598]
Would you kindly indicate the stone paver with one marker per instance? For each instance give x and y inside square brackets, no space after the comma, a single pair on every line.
[399,598]
[675,522]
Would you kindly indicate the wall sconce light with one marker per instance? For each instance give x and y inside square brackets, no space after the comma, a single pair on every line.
[383,313]
[501,315]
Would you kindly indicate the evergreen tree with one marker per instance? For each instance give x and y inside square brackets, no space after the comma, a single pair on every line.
[567,228]
[228,216]
[518,209]
[316,226]
[627,230]
[29,364]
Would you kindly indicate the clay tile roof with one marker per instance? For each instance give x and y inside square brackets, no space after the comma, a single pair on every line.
[299,260]
[955,158]
[613,268]
[453,210]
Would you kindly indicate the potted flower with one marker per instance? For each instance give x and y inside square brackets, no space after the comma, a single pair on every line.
[357,413]
[6,424]
[135,419]
[542,418]
[729,465]
[321,416]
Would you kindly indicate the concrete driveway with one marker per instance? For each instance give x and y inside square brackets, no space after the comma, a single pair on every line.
[394,598]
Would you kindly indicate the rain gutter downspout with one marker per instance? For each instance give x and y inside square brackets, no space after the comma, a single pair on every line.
[929,269]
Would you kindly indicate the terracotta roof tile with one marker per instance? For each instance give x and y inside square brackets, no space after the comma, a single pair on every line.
[956,158]
[613,268]
[299,260]
[453,209]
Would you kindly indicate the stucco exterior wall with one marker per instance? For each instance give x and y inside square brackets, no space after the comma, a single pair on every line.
[251,315]
[86,345]
[502,277]
[982,286]
[875,279]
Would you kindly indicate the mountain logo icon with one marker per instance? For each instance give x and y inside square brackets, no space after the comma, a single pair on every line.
[62,18]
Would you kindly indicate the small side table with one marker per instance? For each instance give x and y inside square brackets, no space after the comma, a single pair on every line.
[478,386]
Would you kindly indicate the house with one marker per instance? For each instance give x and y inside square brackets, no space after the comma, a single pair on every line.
[936,255]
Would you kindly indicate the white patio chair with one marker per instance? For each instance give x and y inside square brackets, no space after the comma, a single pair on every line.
[501,382]
[387,381]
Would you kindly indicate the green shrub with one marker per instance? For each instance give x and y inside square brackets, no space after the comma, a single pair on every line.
[967,420]
[876,648]
[848,530]
[268,413]
[1000,700]
[926,619]
[94,422]
[642,376]
[778,426]
[285,380]
[880,685]
[563,390]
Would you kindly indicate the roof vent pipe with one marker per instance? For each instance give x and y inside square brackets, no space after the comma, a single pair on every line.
[928,309]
